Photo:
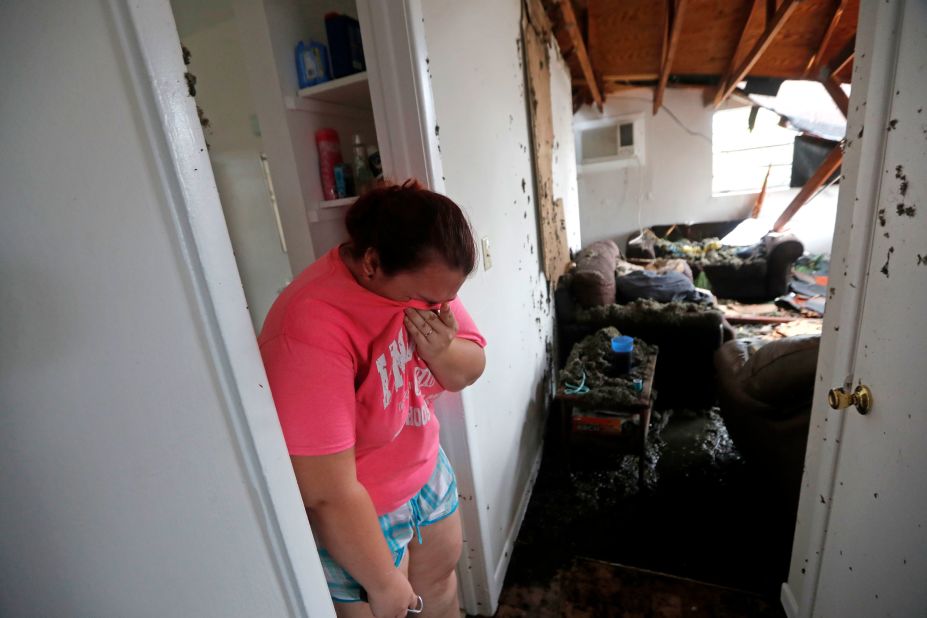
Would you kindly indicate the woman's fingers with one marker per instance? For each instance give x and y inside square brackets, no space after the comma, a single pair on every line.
[447,316]
[427,322]
[417,331]
[415,319]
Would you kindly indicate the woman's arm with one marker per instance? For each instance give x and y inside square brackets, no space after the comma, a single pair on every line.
[459,365]
[455,362]
[345,521]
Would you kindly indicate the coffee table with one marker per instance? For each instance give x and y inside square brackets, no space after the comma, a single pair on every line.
[593,417]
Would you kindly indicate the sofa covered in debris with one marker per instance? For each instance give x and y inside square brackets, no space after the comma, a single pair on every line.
[752,274]
[765,392]
[687,328]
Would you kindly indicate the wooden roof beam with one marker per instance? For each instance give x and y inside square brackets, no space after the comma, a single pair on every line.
[737,50]
[843,57]
[817,59]
[674,19]
[828,166]
[772,29]
[837,94]
[830,81]
[538,17]
[630,77]
[572,28]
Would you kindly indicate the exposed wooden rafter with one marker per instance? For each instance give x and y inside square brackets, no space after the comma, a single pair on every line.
[732,65]
[538,17]
[817,59]
[827,168]
[772,29]
[771,7]
[579,45]
[674,26]
[829,78]
[631,77]
[837,94]
[842,58]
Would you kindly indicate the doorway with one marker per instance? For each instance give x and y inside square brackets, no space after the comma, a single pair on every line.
[217,80]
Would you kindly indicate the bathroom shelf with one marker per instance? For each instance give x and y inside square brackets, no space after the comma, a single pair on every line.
[351,91]
[330,210]
[344,201]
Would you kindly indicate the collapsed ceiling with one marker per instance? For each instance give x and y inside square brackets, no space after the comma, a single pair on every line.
[612,45]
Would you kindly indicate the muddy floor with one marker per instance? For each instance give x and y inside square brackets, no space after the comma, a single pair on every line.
[704,514]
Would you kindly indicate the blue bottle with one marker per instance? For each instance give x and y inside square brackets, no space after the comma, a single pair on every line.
[312,64]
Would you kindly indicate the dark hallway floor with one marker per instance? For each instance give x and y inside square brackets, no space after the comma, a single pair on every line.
[705,517]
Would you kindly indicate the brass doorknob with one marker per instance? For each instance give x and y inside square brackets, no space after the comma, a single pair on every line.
[841,399]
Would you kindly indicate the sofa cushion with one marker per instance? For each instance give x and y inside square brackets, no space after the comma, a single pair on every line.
[657,265]
[782,371]
[663,287]
[594,276]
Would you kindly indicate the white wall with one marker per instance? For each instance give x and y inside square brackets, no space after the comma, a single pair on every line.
[124,490]
[813,224]
[674,183]
[475,65]
[223,93]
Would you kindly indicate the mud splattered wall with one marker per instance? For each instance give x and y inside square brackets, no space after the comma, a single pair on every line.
[861,525]
[475,64]
[554,250]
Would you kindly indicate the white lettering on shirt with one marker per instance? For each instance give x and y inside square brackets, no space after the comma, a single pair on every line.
[422,378]
[384,380]
[418,417]
[400,353]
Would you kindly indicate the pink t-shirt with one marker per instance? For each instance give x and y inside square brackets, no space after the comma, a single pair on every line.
[344,372]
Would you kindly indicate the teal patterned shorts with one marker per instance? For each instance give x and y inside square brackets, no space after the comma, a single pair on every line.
[437,500]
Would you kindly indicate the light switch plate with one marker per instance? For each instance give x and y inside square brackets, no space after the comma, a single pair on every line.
[487,254]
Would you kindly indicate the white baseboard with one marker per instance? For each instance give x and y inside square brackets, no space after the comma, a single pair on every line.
[789,604]
[498,576]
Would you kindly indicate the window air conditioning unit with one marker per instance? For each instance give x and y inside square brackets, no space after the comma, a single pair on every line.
[610,143]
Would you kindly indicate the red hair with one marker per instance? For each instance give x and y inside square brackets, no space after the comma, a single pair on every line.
[408,225]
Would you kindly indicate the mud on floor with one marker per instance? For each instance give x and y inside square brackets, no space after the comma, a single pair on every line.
[701,515]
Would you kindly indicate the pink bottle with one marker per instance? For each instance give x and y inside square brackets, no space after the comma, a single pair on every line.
[326,140]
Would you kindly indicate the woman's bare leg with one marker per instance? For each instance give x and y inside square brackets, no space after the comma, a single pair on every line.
[432,567]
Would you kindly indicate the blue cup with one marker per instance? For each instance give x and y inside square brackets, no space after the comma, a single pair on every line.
[622,354]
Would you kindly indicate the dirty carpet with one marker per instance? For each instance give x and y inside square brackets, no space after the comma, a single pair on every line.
[704,516]
[592,588]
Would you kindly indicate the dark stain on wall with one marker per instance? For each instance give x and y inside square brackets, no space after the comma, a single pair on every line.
[888,259]
[908,211]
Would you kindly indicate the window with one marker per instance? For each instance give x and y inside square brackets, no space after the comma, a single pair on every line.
[741,157]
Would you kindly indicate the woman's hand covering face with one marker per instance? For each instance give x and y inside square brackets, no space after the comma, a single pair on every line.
[432,331]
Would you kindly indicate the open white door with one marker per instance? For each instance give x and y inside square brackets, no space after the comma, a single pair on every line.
[861,539]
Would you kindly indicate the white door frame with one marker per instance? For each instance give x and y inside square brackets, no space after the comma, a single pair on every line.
[400,89]
[874,65]
[396,57]
[151,46]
